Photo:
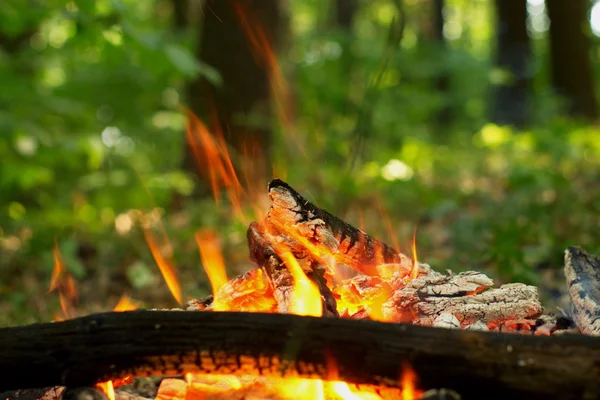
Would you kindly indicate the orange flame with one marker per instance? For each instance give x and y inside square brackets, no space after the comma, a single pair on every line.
[414,272]
[212,259]
[126,303]
[263,50]
[164,262]
[211,154]
[63,282]
[408,382]
[307,298]
[107,388]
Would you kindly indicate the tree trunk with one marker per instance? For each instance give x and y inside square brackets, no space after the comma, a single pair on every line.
[431,33]
[477,365]
[513,54]
[345,10]
[569,56]
[242,102]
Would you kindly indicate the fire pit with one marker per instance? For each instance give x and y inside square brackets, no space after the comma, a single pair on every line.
[293,329]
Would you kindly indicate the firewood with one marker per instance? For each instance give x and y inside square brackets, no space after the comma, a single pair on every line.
[296,217]
[465,296]
[263,253]
[83,351]
[582,272]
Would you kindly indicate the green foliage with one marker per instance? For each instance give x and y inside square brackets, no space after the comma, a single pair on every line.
[91,142]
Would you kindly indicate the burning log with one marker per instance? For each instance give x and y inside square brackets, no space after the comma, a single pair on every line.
[263,253]
[295,217]
[83,351]
[582,271]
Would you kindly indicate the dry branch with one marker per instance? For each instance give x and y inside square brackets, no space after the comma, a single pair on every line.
[582,271]
[82,351]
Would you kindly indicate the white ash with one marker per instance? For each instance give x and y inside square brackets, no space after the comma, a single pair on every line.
[446,320]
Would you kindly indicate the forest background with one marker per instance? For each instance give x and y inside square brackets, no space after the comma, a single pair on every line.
[472,121]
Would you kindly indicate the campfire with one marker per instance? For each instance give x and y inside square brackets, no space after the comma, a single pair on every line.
[295,328]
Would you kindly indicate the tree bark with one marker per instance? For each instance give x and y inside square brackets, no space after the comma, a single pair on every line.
[99,347]
[569,57]
[513,55]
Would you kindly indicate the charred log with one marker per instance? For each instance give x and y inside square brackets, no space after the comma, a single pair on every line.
[83,351]
[294,216]
[83,393]
[582,271]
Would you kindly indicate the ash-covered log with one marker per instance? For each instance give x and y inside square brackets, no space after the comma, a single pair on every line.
[582,271]
[83,351]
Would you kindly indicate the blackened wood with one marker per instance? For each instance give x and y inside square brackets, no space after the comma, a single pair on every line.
[295,216]
[477,365]
[26,394]
[582,271]
[83,393]
[263,253]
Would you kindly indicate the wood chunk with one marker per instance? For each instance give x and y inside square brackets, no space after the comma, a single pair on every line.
[99,347]
[582,271]
[296,217]
[465,296]
[459,285]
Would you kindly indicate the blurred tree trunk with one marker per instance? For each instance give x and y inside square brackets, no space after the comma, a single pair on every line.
[242,101]
[569,56]
[345,11]
[443,80]
[431,34]
[513,55]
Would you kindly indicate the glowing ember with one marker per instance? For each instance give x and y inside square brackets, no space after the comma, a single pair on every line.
[250,292]
[212,259]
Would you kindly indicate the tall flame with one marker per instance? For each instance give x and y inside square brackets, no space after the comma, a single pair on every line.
[306,295]
[164,261]
[408,382]
[264,53]
[414,272]
[211,154]
[212,259]
[63,282]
